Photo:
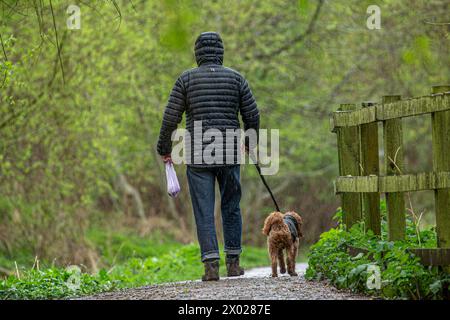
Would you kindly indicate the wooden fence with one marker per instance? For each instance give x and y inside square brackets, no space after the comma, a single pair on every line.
[360,183]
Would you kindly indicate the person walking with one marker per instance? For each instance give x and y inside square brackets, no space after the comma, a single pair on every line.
[212,95]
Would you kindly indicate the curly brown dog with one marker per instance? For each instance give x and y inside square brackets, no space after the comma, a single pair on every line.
[283,232]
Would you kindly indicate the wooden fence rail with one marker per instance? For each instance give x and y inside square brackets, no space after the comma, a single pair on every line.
[360,183]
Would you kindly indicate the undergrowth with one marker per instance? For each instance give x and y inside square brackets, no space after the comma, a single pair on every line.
[401,274]
[162,263]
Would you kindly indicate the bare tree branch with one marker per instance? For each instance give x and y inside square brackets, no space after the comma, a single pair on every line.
[3,47]
[119,13]
[299,38]
[57,43]
[436,23]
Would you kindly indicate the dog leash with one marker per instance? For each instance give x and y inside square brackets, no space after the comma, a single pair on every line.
[264,181]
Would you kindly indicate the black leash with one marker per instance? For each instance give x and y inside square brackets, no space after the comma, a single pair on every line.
[264,181]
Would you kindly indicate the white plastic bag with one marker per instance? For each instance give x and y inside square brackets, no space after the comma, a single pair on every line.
[173,186]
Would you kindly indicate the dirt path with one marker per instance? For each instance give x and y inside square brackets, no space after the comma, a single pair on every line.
[255,284]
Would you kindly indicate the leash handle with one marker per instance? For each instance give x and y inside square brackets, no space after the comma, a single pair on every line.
[252,156]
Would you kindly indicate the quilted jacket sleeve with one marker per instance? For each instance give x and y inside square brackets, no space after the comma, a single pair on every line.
[173,115]
[248,109]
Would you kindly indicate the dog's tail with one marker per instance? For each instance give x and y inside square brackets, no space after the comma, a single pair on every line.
[273,219]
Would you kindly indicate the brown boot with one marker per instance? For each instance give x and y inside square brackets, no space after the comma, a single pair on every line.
[211,270]
[233,268]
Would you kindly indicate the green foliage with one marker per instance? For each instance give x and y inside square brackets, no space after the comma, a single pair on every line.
[117,247]
[52,283]
[402,275]
[65,145]
[179,262]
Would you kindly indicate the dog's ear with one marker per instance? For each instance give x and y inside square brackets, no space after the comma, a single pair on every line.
[273,218]
[299,222]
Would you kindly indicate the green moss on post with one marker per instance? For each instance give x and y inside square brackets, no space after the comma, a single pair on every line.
[371,166]
[349,164]
[394,162]
[441,162]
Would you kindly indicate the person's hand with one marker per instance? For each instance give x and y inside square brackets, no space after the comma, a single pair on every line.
[244,148]
[167,158]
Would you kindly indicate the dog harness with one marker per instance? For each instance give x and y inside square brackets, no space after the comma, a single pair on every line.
[292,225]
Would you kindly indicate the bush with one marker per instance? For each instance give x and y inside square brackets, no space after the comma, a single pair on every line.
[402,275]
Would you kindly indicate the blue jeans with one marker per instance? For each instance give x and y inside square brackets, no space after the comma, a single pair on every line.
[202,189]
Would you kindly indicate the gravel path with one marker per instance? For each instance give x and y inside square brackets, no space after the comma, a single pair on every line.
[255,284]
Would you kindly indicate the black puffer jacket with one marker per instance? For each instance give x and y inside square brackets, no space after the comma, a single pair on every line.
[210,93]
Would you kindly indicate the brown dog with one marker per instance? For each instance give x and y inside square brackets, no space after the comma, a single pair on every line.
[283,231]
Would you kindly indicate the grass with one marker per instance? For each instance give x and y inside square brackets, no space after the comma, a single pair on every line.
[128,260]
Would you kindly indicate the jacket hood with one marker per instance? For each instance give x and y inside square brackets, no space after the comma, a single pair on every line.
[209,48]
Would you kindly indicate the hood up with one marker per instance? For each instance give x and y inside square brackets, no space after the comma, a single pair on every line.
[209,49]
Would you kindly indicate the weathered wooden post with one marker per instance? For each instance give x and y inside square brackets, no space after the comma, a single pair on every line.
[370,166]
[349,164]
[440,122]
[394,162]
